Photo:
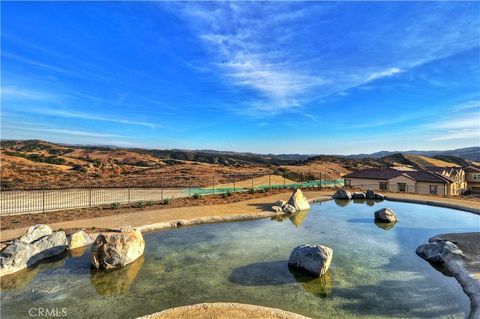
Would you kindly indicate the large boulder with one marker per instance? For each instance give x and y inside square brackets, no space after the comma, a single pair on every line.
[342,194]
[359,195]
[35,232]
[370,194]
[289,209]
[79,239]
[298,200]
[385,215]
[314,259]
[117,249]
[20,254]
[438,252]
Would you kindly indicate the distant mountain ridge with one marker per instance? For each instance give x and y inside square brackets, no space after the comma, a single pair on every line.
[470,153]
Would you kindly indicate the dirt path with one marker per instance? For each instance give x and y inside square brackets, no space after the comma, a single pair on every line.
[252,207]
[147,217]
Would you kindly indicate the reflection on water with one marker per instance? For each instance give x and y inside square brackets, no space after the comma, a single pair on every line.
[298,218]
[373,273]
[384,226]
[342,202]
[117,281]
[320,286]
[19,279]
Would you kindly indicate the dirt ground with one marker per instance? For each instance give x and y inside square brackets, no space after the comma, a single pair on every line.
[24,220]
[222,310]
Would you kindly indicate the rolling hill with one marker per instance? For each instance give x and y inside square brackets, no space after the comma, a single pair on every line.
[35,163]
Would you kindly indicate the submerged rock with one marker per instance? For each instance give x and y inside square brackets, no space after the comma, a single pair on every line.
[314,259]
[385,215]
[342,194]
[20,254]
[298,200]
[79,239]
[289,209]
[359,195]
[438,252]
[117,249]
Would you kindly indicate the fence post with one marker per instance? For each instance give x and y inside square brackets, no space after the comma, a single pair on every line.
[252,182]
[213,184]
[189,186]
[43,199]
[269,181]
[128,193]
[233,182]
[90,197]
[284,183]
[161,188]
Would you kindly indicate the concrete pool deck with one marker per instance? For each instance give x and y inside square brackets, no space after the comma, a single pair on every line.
[148,220]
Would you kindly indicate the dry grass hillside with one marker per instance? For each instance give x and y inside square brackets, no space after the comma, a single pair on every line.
[42,164]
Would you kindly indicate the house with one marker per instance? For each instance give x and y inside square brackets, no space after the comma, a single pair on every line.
[472,178]
[411,181]
[456,173]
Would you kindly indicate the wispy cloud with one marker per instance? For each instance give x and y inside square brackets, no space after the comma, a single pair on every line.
[264,47]
[85,116]
[33,127]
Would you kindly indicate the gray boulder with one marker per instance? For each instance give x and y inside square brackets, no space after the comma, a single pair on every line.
[298,200]
[35,232]
[385,215]
[342,194]
[313,259]
[289,209]
[359,195]
[19,254]
[370,194]
[439,251]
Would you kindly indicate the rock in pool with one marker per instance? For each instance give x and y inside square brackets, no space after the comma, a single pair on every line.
[370,194]
[79,239]
[289,209]
[314,259]
[31,248]
[438,252]
[359,195]
[117,249]
[342,194]
[385,215]
[298,200]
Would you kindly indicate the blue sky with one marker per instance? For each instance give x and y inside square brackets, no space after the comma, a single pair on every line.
[300,77]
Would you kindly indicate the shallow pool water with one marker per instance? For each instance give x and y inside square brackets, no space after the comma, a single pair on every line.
[375,271]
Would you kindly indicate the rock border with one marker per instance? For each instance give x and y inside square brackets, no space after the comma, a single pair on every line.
[189,311]
[433,203]
[219,219]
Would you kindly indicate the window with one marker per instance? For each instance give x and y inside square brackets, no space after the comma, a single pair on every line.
[383,186]
[433,189]
[402,187]
[348,182]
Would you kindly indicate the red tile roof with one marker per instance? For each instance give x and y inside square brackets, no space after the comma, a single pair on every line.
[388,173]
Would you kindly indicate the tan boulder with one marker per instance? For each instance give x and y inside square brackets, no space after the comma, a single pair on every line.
[117,249]
[298,200]
[79,239]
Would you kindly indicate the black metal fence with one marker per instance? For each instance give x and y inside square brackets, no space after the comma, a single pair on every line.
[29,200]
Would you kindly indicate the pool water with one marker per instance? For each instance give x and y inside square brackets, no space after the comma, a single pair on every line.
[375,272]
